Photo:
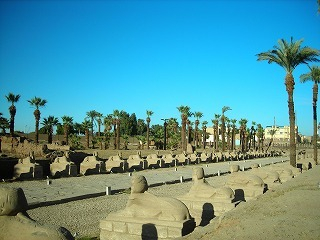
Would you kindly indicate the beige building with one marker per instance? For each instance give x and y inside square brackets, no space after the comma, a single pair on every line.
[282,133]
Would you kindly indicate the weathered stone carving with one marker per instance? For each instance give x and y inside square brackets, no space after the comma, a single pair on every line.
[27,168]
[154,161]
[116,163]
[246,186]
[205,201]
[269,176]
[16,224]
[168,217]
[136,162]
[63,167]
[92,165]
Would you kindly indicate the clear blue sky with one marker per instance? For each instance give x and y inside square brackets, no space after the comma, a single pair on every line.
[153,55]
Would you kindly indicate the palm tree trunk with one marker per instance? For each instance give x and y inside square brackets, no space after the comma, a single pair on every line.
[223,134]
[37,118]
[289,82]
[315,127]
[12,110]
[183,134]
[148,130]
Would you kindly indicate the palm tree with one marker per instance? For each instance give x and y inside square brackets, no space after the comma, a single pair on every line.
[252,139]
[233,134]
[223,127]
[116,123]
[314,76]
[67,123]
[12,110]
[204,130]
[215,122]
[92,115]
[289,55]
[185,113]
[108,122]
[149,114]
[48,124]
[260,135]
[272,132]
[37,103]
[99,122]
[198,116]
[86,125]
[243,129]
[228,131]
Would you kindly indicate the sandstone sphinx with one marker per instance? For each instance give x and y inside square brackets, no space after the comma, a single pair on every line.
[15,224]
[246,186]
[183,158]
[63,167]
[147,216]
[136,162]
[170,160]
[154,161]
[269,176]
[92,165]
[205,201]
[27,168]
[116,163]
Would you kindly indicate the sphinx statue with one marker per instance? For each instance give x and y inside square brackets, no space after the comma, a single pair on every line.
[202,189]
[16,224]
[205,201]
[142,204]
[246,186]
[169,216]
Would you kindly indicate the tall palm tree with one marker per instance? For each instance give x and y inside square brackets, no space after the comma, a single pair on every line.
[228,131]
[204,133]
[243,129]
[48,124]
[108,122]
[314,76]
[198,116]
[148,119]
[289,55]
[116,123]
[86,125]
[252,139]
[185,113]
[233,134]
[12,110]
[216,131]
[37,103]
[92,115]
[260,135]
[99,122]
[272,132]
[67,123]
[223,127]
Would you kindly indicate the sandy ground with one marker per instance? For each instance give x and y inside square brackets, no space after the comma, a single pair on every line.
[291,211]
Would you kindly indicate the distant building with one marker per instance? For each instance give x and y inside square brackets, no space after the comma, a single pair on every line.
[282,133]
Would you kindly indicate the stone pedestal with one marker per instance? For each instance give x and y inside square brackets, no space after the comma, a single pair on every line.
[203,210]
[113,228]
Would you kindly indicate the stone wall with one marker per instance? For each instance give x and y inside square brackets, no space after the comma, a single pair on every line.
[21,147]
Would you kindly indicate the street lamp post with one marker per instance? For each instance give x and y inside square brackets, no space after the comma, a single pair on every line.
[165,133]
